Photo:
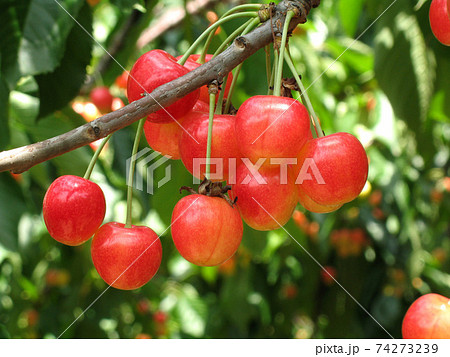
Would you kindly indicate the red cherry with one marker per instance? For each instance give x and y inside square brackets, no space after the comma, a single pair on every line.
[102,99]
[206,230]
[193,143]
[192,64]
[165,138]
[152,70]
[122,80]
[267,188]
[312,206]
[339,169]
[440,21]
[448,8]
[271,127]
[428,317]
[160,317]
[126,258]
[73,209]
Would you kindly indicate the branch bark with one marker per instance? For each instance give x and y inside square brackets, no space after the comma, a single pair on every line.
[21,159]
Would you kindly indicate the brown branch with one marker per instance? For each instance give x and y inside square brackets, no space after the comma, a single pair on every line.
[23,158]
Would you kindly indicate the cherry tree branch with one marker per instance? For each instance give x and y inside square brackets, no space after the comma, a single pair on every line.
[23,158]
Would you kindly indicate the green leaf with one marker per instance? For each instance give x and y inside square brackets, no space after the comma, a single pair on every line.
[45,31]
[12,206]
[403,65]
[12,18]
[349,14]
[4,126]
[56,89]
[192,312]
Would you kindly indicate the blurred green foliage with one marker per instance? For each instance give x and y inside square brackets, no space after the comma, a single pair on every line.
[386,80]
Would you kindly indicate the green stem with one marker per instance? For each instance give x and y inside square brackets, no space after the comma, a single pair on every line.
[221,96]
[279,75]
[212,103]
[274,70]
[305,97]
[268,66]
[137,139]
[249,27]
[231,37]
[211,30]
[250,7]
[88,173]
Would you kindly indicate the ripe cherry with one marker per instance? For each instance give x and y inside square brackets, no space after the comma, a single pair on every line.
[193,144]
[266,199]
[206,230]
[192,64]
[312,206]
[73,209]
[126,258]
[165,138]
[343,166]
[152,70]
[271,127]
[428,317]
[440,21]
[102,99]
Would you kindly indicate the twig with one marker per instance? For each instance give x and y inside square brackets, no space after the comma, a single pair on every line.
[23,158]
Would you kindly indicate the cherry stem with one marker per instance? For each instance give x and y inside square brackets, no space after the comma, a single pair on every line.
[229,12]
[211,30]
[212,103]
[279,74]
[249,27]
[231,37]
[304,94]
[93,161]
[219,106]
[268,66]
[137,139]
[274,70]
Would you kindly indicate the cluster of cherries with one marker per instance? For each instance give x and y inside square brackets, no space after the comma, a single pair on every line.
[264,153]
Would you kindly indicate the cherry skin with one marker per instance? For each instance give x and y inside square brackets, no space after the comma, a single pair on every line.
[343,165]
[207,231]
[165,138]
[448,8]
[126,258]
[271,127]
[73,209]
[428,317]
[102,99]
[440,21]
[276,194]
[193,144]
[152,70]
[312,206]
[192,64]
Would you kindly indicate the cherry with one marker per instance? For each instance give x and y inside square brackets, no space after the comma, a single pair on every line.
[343,165]
[312,206]
[192,64]
[271,127]
[448,8]
[206,230]
[152,70]
[193,143]
[164,138]
[102,99]
[73,209]
[440,20]
[428,317]
[122,80]
[126,258]
[266,199]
